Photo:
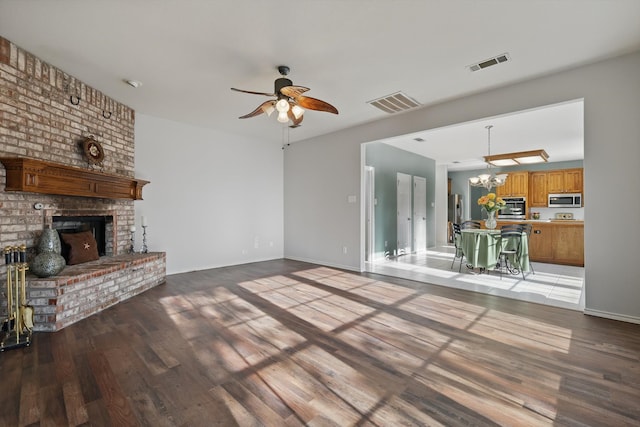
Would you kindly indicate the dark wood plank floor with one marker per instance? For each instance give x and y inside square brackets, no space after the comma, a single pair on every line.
[285,343]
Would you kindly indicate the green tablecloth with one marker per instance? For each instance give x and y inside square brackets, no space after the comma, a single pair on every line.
[481,248]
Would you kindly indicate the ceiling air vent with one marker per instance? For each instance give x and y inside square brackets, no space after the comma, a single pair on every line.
[394,103]
[489,62]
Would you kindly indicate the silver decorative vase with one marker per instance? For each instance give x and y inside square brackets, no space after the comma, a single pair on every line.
[48,262]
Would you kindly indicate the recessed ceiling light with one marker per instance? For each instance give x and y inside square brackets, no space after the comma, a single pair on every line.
[133,83]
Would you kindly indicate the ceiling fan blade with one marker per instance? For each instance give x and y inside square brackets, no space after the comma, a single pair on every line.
[253,93]
[293,91]
[315,104]
[265,107]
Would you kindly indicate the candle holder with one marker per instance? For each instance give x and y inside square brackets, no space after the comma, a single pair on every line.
[132,242]
[144,249]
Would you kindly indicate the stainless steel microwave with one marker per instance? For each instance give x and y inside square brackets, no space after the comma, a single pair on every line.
[565,200]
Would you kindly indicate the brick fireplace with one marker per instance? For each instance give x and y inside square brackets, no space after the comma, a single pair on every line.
[45,114]
[100,223]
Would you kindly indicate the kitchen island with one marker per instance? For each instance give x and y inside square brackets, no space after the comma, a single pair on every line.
[554,241]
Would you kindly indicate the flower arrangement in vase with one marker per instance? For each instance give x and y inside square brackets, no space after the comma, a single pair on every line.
[491,203]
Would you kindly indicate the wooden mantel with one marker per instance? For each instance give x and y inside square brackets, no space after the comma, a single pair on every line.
[38,176]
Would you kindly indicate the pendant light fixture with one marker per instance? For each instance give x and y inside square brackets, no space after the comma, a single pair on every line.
[488,180]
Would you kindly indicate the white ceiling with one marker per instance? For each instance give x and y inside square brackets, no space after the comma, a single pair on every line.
[188,54]
[557,129]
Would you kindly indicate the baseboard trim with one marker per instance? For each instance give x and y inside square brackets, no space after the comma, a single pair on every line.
[323,263]
[613,316]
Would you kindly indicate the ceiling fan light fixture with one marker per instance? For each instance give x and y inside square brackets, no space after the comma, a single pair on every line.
[282,106]
[297,111]
[290,101]
[268,109]
[282,117]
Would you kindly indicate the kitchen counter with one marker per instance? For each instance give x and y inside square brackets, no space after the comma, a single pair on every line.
[534,221]
[555,241]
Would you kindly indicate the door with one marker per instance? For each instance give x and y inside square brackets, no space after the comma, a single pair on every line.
[404,213]
[419,214]
[369,183]
[573,180]
[555,181]
[538,189]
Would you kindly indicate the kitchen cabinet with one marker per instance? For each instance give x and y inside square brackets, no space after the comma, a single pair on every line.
[565,181]
[541,243]
[569,244]
[516,185]
[556,242]
[555,181]
[573,181]
[538,189]
[543,183]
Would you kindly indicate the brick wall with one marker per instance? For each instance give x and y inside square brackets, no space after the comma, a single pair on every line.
[39,120]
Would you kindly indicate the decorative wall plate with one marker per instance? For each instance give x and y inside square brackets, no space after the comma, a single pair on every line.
[93,150]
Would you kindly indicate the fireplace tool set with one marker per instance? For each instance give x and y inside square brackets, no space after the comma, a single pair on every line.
[17,327]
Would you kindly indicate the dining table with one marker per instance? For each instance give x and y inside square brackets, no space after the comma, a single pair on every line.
[482,247]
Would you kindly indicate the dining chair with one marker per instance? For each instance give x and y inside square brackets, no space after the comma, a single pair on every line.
[511,240]
[457,243]
[527,227]
[512,227]
[470,224]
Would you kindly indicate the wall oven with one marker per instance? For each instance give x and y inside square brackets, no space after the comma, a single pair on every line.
[565,200]
[515,208]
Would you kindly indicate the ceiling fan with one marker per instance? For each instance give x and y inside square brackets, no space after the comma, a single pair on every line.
[289,101]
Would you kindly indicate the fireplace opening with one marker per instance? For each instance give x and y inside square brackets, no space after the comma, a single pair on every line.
[97,225]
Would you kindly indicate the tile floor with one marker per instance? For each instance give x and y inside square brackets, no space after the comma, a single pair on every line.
[551,284]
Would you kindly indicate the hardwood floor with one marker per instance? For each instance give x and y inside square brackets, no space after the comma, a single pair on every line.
[285,343]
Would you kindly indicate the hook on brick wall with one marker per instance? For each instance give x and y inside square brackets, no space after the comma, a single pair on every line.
[106,114]
[75,99]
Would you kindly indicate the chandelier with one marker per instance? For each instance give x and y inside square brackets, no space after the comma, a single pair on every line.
[488,180]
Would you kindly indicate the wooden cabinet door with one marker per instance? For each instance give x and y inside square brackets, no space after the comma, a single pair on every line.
[516,185]
[541,243]
[555,181]
[504,190]
[538,189]
[569,245]
[573,181]
[519,184]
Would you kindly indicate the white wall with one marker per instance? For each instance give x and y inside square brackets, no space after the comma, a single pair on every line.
[214,199]
[320,172]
